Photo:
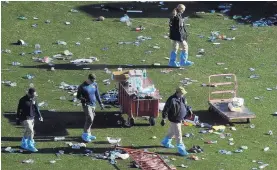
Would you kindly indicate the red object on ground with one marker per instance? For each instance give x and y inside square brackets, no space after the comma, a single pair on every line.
[147,160]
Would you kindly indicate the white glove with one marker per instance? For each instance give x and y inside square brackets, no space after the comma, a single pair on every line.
[40,119]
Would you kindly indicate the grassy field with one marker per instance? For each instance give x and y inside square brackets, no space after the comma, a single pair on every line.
[253,47]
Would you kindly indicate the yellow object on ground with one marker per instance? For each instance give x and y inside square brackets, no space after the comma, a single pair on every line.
[221,127]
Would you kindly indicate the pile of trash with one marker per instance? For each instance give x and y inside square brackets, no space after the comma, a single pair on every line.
[215,35]
[113,155]
[264,22]
[110,97]
[187,81]
[9,83]
[138,41]
[224,8]
[84,61]
[71,88]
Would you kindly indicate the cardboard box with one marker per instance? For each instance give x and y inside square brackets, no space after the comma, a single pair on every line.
[120,76]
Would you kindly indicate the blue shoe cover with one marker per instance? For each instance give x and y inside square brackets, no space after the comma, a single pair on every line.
[172,60]
[182,149]
[31,146]
[24,144]
[86,137]
[166,142]
[184,59]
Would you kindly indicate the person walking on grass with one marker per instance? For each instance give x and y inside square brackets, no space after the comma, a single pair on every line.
[88,93]
[178,34]
[27,108]
[175,110]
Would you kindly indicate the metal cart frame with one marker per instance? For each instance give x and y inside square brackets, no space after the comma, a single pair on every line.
[221,105]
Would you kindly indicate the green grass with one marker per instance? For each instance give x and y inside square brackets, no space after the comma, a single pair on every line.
[253,47]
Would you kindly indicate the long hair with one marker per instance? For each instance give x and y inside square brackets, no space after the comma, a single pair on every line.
[178,9]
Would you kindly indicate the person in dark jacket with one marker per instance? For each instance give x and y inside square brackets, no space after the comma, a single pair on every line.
[26,111]
[178,34]
[175,110]
[88,93]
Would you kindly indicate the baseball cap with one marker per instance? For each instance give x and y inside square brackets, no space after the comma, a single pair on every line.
[181,89]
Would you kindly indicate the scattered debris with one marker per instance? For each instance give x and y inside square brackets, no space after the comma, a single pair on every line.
[211,142]
[61,42]
[9,149]
[254,76]
[233,128]
[100,18]
[74,11]
[78,146]
[266,149]
[59,138]
[28,161]
[193,157]
[252,126]
[252,69]
[16,64]
[22,18]
[113,140]
[6,51]
[184,166]
[52,161]
[166,71]
[67,23]
[270,132]
[9,83]
[225,152]
[244,147]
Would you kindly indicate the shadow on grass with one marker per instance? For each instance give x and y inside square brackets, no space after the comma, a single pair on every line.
[257,9]
[92,66]
[211,118]
[69,151]
[150,10]
[56,123]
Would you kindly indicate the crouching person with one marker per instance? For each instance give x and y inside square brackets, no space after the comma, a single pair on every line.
[27,108]
[175,110]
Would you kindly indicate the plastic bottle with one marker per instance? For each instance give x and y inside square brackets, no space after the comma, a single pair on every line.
[59,138]
[144,74]
[37,49]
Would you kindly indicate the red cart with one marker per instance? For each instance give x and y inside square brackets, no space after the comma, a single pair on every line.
[135,107]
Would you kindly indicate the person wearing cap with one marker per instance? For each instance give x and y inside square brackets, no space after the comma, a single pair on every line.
[26,111]
[88,93]
[178,35]
[175,109]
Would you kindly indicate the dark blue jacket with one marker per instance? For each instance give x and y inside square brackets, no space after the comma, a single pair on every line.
[88,94]
[177,28]
[175,109]
[27,108]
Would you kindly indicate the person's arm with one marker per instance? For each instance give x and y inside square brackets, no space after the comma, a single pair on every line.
[166,108]
[97,95]
[80,95]
[19,109]
[37,110]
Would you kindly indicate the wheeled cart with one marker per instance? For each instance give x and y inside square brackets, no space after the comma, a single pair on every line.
[220,106]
